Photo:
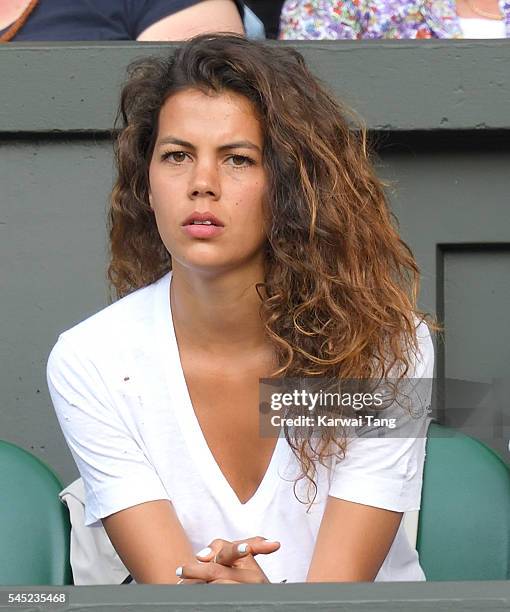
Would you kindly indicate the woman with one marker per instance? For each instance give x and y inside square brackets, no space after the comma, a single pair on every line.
[238,172]
[356,19]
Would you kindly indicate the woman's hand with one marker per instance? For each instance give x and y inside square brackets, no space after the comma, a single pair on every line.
[224,562]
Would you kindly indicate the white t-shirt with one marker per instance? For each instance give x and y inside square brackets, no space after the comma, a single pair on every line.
[120,396]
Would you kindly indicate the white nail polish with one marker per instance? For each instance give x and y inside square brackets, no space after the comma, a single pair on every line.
[205,552]
[242,548]
[178,571]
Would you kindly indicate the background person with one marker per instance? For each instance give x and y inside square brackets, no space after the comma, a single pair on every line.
[338,19]
[143,20]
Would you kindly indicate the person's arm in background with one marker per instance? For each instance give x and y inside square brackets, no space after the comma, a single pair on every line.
[319,20]
[205,16]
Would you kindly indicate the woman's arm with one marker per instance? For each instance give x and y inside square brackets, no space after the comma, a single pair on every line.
[122,488]
[205,16]
[150,541]
[378,480]
[353,542]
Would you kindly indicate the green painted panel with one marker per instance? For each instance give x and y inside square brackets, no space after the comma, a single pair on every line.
[492,596]
[394,85]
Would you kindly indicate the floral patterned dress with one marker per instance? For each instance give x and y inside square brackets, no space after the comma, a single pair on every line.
[355,19]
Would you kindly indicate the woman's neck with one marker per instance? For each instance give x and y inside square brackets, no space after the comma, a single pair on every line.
[219,313]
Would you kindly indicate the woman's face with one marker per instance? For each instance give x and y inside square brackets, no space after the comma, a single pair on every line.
[207,182]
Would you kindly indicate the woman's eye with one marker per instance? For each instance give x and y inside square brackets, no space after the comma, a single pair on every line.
[175,156]
[240,160]
[179,157]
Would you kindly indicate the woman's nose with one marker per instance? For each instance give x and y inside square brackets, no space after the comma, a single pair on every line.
[205,180]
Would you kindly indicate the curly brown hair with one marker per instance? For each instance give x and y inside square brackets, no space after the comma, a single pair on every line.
[340,286]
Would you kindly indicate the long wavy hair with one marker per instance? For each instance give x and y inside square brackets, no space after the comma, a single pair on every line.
[340,287]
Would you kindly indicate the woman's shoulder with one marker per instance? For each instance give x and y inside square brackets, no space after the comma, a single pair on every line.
[117,325]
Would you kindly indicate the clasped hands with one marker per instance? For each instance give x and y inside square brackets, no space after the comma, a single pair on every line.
[224,562]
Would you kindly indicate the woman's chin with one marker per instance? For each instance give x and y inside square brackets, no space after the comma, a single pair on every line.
[208,265]
[210,259]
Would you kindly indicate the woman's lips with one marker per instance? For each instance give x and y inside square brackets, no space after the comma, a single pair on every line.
[202,231]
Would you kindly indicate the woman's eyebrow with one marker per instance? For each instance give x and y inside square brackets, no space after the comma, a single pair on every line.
[240,144]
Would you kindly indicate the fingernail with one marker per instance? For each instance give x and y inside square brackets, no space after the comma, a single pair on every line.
[242,548]
[205,552]
[272,541]
[178,571]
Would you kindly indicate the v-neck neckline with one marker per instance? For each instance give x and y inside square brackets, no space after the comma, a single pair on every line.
[188,422]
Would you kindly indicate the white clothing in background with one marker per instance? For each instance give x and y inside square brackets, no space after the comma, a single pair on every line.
[482,28]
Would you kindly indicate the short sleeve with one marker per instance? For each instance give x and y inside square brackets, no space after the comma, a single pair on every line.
[387,471]
[144,13]
[115,471]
